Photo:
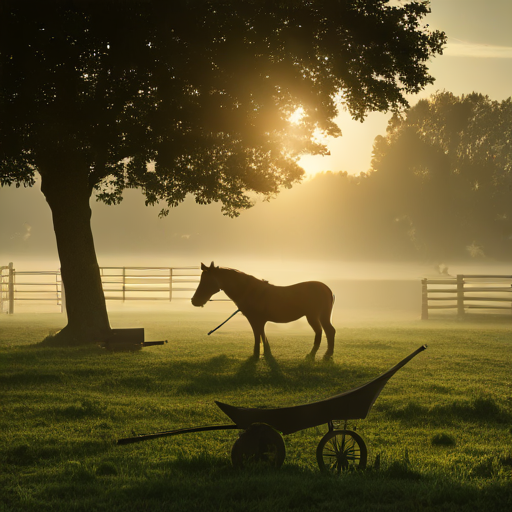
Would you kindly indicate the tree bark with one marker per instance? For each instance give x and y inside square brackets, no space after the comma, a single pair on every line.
[68,195]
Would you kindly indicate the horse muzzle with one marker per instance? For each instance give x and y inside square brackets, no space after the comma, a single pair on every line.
[197,303]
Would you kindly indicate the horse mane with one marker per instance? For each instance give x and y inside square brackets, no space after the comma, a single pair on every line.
[249,276]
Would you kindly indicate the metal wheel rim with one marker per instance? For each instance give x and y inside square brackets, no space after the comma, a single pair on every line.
[341,451]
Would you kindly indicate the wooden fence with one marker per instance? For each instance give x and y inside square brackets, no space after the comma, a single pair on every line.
[119,283]
[466,292]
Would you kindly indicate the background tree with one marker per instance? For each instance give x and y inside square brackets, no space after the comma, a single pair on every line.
[91,93]
[445,170]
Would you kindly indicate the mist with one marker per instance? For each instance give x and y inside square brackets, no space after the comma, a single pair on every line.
[322,220]
[257,242]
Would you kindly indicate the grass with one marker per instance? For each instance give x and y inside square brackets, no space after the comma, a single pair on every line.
[440,431]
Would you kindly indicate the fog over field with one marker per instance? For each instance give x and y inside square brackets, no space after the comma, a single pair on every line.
[132,235]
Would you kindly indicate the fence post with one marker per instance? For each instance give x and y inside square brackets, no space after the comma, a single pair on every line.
[2,289]
[10,289]
[460,296]
[424,300]
[170,284]
[124,284]
[62,294]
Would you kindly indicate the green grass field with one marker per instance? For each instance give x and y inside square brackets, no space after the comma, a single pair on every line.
[441,428]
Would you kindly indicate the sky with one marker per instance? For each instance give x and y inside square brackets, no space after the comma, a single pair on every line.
[478,57]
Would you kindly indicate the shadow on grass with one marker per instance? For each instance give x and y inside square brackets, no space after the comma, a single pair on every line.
[52,451]
[481,409]
[130,374]
[221,373]
[208,482]
[138,375]
[212,484]
[248,371]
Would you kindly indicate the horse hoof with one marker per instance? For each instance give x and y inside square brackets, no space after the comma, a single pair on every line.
[327,358]
[310,357]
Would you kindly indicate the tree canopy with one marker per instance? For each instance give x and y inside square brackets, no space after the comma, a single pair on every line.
[445,170]
[203,88]
[93,92]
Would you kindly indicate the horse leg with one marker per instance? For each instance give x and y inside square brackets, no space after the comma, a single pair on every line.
[258,328]
[266,346]
[317,327]
[330,333]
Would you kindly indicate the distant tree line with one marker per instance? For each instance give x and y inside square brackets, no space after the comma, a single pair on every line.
[440,188]
[443,176]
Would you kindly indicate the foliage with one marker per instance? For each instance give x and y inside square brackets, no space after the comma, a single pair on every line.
[203,89]
[65,408]
[445,171]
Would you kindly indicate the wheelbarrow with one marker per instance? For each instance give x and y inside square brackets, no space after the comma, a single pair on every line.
[261,439]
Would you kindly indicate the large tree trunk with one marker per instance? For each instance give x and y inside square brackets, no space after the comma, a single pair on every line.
[68,195]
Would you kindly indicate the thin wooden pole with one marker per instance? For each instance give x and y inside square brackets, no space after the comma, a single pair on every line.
[170,284]
[124,284]
[424,299]
[460,296]
[62,296]
[2,289]
[10,288]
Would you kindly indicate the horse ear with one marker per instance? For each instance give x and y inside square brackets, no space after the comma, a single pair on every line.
[212,266]
[203,267]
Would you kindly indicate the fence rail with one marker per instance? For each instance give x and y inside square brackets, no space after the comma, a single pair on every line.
[119,283]
[465,292]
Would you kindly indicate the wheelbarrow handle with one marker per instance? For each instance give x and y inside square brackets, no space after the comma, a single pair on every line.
[146,437]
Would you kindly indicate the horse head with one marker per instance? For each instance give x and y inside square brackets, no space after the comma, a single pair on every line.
[208,285]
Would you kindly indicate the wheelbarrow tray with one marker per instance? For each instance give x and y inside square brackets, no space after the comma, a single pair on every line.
[354,404]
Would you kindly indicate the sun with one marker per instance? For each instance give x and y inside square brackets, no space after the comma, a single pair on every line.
[297,115]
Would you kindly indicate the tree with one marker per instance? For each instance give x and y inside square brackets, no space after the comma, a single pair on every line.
[445,168]
[185,97]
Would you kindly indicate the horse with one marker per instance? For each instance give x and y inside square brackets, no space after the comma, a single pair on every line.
[261,302]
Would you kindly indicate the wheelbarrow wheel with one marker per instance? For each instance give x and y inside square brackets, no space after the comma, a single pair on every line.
[341,450]
[258,446]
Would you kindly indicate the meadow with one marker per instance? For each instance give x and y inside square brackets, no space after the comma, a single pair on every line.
[441,428]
